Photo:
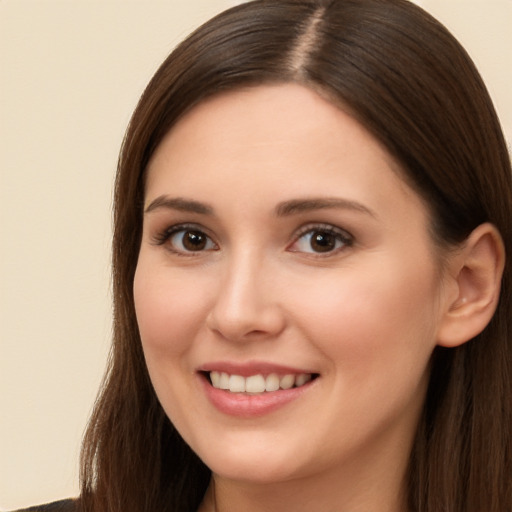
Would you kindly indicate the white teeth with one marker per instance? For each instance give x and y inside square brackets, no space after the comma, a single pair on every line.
[215,377]
[257,383]
[302,379]
[272,382]
[224,381]
[287,382]
[236,384]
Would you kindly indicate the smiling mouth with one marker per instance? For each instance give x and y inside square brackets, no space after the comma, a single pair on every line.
[259,383]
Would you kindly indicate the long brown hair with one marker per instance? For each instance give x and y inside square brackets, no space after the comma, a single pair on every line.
[405,78]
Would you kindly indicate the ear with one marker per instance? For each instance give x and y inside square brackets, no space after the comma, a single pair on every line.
[476,270]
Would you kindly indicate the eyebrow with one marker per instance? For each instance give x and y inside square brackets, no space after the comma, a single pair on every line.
[295,206]
[179,203]
[284,209]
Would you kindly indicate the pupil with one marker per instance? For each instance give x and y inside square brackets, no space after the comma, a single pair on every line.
[194,241]
[323,242]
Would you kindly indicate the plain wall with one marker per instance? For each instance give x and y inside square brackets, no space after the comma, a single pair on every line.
[70,75]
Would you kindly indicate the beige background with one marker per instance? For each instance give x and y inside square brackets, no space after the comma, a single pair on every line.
[71,72]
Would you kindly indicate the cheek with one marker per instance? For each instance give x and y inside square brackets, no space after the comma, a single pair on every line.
[168,318]
[361,319]
[377,333]
[167,311]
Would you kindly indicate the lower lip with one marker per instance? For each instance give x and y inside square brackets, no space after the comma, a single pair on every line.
[244,405]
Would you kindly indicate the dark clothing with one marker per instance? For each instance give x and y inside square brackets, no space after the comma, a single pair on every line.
[56,506]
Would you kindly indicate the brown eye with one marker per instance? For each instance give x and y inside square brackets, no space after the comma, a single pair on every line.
[194,240]
[322,241]
[190,240]
[318,240]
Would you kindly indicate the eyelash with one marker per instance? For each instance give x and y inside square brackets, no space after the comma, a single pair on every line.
[340,236]
[163,237]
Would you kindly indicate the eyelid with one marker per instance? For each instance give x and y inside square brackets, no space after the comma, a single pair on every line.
[342,234]
[322,226]
[347,239]
[162,236]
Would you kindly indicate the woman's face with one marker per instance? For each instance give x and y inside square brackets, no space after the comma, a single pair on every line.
[283,254]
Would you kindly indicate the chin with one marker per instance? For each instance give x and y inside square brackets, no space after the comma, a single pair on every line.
[259,466]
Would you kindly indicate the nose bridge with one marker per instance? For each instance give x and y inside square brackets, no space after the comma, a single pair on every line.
[246,302]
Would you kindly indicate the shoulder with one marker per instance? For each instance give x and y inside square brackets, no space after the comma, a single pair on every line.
[56,506]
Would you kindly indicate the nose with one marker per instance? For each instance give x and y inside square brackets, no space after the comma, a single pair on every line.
[246,305]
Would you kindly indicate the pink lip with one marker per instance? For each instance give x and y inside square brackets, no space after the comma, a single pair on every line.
[243,405]
[250,368]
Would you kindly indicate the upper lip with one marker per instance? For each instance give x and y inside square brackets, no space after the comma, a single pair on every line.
[249,368]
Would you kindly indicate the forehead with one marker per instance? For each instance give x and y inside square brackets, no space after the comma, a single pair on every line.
[282,138]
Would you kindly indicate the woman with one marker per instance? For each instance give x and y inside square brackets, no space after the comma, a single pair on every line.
[312,304]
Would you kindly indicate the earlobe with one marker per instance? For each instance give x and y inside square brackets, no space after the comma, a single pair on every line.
[477,269]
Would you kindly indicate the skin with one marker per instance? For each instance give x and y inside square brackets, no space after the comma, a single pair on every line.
[364,316]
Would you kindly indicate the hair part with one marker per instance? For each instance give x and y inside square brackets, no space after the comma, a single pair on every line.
[306,43]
